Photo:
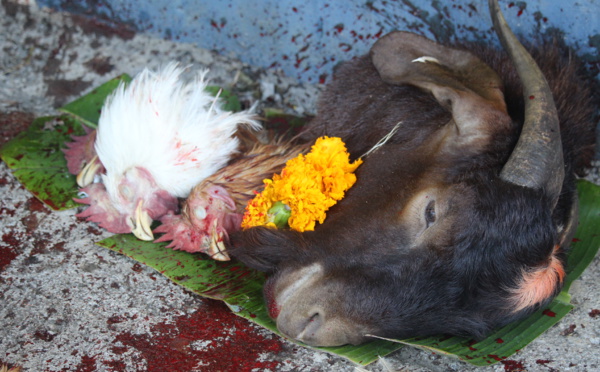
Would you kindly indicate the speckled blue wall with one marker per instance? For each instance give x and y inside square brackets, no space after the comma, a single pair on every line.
[307,38]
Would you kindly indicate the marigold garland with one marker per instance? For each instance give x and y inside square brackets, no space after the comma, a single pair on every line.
[308,186]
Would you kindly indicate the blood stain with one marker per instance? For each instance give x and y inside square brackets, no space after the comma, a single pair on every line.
[87,364]
[549,313]
[7,254]
[236,345]
[513,366]
[44,335]
[569,330]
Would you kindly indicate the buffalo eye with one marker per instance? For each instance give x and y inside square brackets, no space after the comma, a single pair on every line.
[430,214]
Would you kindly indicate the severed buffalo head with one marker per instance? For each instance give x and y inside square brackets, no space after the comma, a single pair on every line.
[457,225]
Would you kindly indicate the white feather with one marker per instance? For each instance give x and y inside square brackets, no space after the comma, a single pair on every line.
[175,130]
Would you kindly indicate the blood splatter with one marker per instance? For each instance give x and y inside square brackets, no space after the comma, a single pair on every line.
[212,337]
[44,335]
[87,364]
[13,123]
[549,313]
[594,313]
[569,330]
[471,343]
[8,253]
[513,366]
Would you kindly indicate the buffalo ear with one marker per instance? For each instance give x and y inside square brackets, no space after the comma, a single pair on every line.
[457,79]
[538,284]
[263,248]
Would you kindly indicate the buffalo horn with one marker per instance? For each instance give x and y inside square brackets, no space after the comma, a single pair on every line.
[537,160]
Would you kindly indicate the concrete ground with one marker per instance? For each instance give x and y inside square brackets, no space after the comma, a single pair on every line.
[68,304]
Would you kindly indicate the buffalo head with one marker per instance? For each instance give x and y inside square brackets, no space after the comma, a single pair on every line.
[457,225]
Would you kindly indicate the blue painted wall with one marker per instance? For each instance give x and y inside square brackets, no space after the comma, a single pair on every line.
[307,38]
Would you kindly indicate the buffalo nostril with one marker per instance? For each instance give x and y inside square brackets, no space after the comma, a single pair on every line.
[311,327]
[316,328]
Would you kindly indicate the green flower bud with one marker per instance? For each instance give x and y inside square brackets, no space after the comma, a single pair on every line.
[279,214]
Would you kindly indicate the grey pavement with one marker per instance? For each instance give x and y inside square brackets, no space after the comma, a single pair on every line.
[68,304]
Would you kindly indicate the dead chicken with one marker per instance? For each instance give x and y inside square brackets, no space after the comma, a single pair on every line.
[157,138]
[216,205]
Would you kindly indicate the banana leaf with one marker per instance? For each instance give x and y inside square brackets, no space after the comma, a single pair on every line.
[35,155]
[87,108]
[240,288]
[37,162]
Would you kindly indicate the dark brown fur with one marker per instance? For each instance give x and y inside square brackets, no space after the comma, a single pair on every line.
[380,277]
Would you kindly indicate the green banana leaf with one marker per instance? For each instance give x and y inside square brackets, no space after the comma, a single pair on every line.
[35,155]
[87,108]
[38,163]
[240,288]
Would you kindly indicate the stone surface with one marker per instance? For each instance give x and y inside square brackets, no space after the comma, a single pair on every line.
[70,305]
[307,39]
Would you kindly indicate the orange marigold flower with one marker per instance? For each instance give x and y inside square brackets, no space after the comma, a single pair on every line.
[308,185]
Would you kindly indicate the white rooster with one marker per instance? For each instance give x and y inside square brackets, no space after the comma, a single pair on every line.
[157,138]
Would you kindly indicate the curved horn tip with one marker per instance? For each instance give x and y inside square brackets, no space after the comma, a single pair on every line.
[537,160]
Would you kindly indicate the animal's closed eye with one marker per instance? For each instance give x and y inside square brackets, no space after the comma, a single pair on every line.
[430,214]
